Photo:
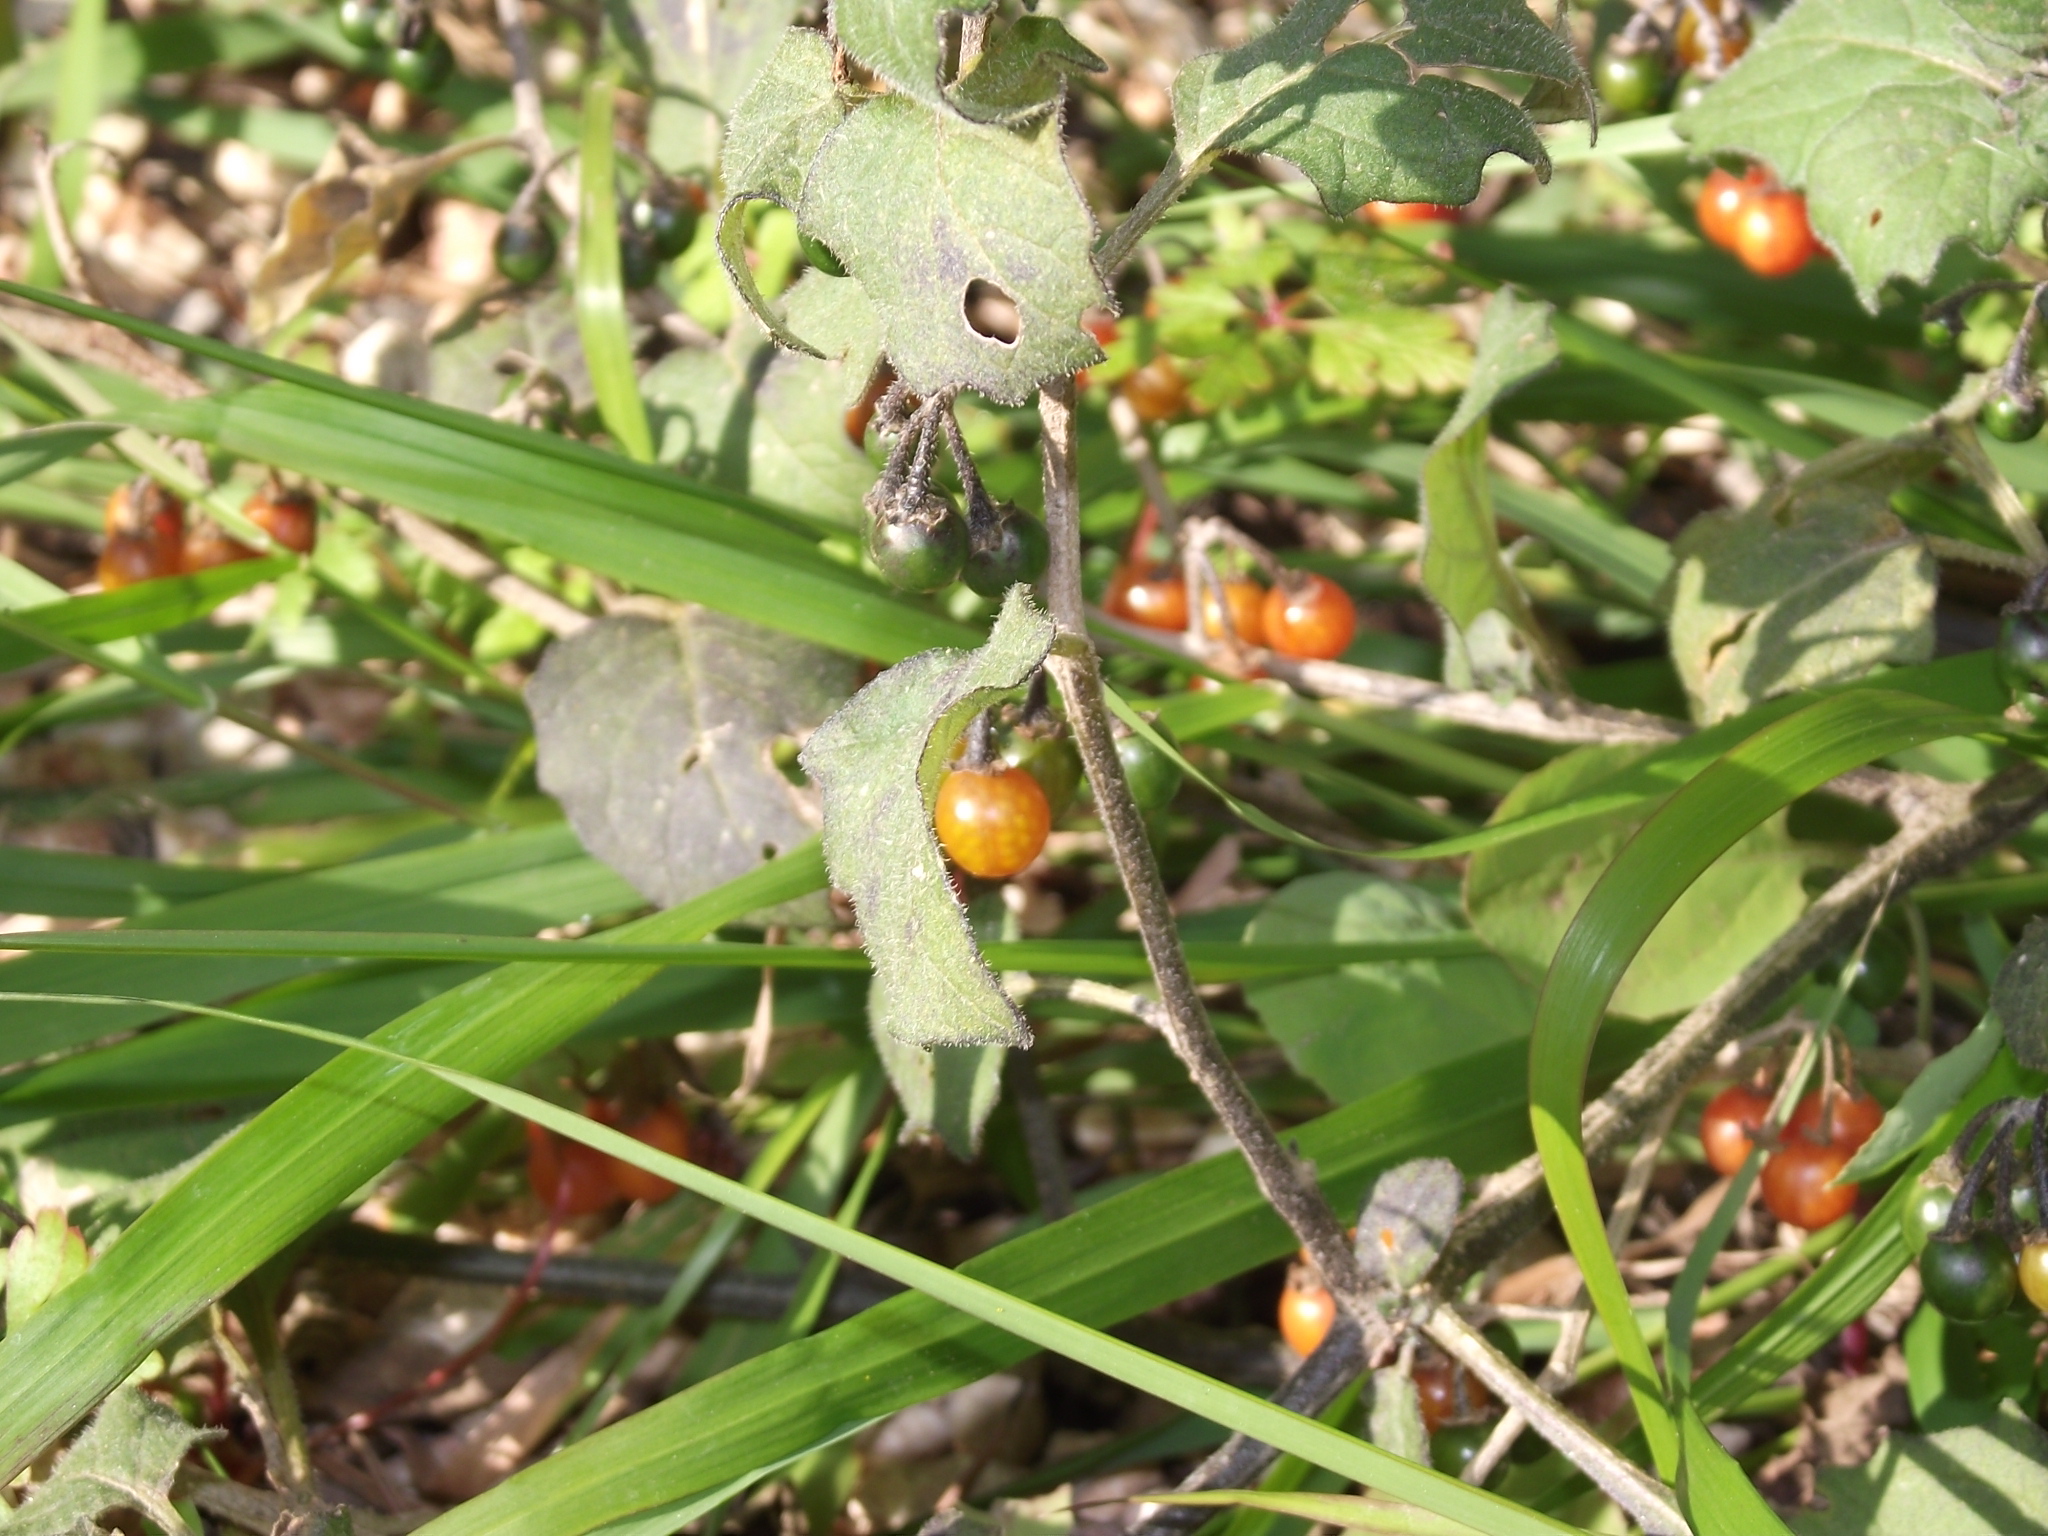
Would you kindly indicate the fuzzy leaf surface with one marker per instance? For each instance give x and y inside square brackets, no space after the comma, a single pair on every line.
[702,54]
[947,1090]
[124,1459]
[902,40]
[655,736]
[878,761]
[1407,1220]
[2019,997]
[44,1257]
[1023,72]
[1987,1479]
[1908,123]
[919,204]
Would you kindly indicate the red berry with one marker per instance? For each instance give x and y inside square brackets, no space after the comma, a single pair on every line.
[1245,602]
[1310,617]
[289,517]
[1306,1313]
[132,557]
[1156,390]
[1772,236]
[1797,1183]
[1448,1393]
[665,1129]
[1729,1125]
[992,823]
[1854,1119]
[567,1174]
[1158,601]
[1722,201]
[1386,214]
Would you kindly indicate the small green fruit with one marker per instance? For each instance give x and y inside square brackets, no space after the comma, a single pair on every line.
[666,218]
[1009,548]
[1630,83]
[1152,775]
[2013,418]
[357,21]
[1937,335]
[422,61]
[1970,1281]
[1053,761]
[919,548]
[1925,1212]
[524,249]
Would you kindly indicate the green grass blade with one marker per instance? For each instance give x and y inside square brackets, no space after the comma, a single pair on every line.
[1232,1407]
[24,453]
[308,1152]
[147,608]
[600,293]
[1701,821]
[58,884]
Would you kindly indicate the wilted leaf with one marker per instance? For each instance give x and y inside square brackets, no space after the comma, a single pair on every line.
[1927,1099]
[1829,588]
[878,761]
[1521,896]
[923,205]
[344,213]
[1988,1479]
[1356,1029]
[1023,72]
[2019,997]
[1908,123]
[44,1257]
[656,735]
[124,1459]
[701,54]
[1406,1220]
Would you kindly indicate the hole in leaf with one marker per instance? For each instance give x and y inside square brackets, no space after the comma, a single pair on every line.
[769,851]
[991,312]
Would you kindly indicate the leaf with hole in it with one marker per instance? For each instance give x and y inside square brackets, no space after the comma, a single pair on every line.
[878,762]
[657,735]
[1908,123]
[1353,1029]
[1774,599]
[1988,1479]
[1522,896]
[1022,72]
[2019,997]
[1407,1220]
[776,129]
[930,212]
[124,1459]
[43,1258]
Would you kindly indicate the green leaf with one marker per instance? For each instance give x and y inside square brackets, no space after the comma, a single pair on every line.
[146,608]
[701,54]
[1778,598]
[946,1090]
[1516,343]
[600,292]
[777,127]
[921,204]
[657,737]
[54,883]
[2019,997]
[1407,1220]
[23,453]
[1988,1479]
[878,761]
[903,41]
[1022,72]
[1522,895]
[1909,123]
[1927,1100]
[463,371]
[1391,349]
[1476,34]
[310,1151]
[124,1459]
[1717,1496]
[43,1258]
[1681,842]
[1353,1029]
[1351,1511]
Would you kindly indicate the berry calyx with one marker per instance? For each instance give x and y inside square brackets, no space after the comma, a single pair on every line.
[820,255]
[1155,390]
[1006,545]
[1307,1312]
[1772,236]
[1971,1280]
[1152,775]
[1310,617]
[991,822]
[525,247]
[1798,1183]
[2012,417]
[1849,1119]
[918,544]
[1631,81]
[1730,1123]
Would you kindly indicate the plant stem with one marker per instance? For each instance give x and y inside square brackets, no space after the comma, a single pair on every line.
[1073,665]
[1115,248]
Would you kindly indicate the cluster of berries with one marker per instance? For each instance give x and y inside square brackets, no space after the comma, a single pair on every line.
[657,226]
[1303,615]
[1978,1231]
[1645,69]
[581,1181]
[402,39]
[1798,1180]
[1763,223]
[147,537]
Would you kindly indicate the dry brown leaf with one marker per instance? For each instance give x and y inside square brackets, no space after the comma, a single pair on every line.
[343,214]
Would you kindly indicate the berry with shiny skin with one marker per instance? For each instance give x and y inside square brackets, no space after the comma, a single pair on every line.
[1851,1119]
[664,1128]
[991,822]
[1938,335]
[129,558]
[1388,215]
[1157,601]
[1722,200]
[1154,777]
[2025,1203]
[1156,390]
[2033,1273]
[358,22]
[1630,83]
[1798,1183]
[1926,1212]
[421,61]
[820,255]
[1050,759]
[1245,604]
[2013,418]
[919,548]
[1310,617]
[1010,547]
[639,264]
[1730,1123]
[291,518]
[157,515]
[1772,237]
[1880,978]
[1453,1448]
[667,218]
[524,249]
[1448,1393]
[1306,1315]
[1690,91]
[1971,1280]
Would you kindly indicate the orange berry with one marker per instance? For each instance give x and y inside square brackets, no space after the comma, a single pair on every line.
[207,546]
[1722,201]
[1156,390]
[1447,1393]
[1691,46]
[1306,1313]
[1388,214]
[132,557]
[1729,1126]
[1797,1183]
[1245,602]
[1158,601]
[992,823]
[289,517]
[1853,1120]
[665,1129]
[567,1173]
[1772,237]
[1311,617]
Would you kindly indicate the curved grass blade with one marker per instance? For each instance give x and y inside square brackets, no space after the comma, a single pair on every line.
[1232,1407]
[309,1152]
[600,291]
[1694,828]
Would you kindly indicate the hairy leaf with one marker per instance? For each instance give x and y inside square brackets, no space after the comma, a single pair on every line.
[1353,1029]
[44,1257]
[124,1459]
[903,41]
[1022,72]
[878,761]
[2019,997]
[1407,1219]
[945,1090]
[1482,34]
[1909,123]
[1764,604]
[1987,1479]
[656,735]
[701,54]
[1516,343]
[921,205]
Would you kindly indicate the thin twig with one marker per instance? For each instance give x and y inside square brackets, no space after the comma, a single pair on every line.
[761,1032]
[1136,447]
[43,171]
[1967,450]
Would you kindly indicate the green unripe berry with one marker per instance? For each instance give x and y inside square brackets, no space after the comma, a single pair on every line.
[667,219]
[2013,418]
[639,265]
[1970,1281]
[358,22]
[1152,775]
[422,61]
[920,546]
[524,249]
[1925,1212]
[2023,651]
[1011,547]
[1630,83]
